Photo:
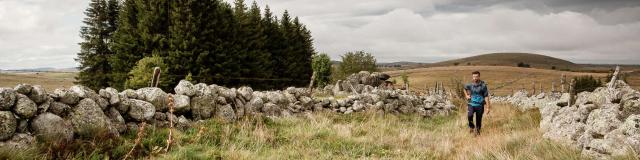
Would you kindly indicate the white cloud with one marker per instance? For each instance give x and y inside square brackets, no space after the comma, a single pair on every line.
[44,33]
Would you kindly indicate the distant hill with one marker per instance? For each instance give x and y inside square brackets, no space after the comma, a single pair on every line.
[511,59]
[45,69]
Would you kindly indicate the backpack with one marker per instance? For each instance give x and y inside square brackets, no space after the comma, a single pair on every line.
[476,100]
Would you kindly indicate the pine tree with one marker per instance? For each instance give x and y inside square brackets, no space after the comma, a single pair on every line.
[126,44]
[183,39]
[100,23]
[143,32]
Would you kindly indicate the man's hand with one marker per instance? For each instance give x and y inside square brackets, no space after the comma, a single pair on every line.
[488,109]
[467,97]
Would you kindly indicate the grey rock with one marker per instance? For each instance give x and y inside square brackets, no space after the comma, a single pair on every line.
[202,89]
[129,93]
[23,126]
[111,94]
[52,128]
[155,96]
[67,96]
[23,88]
[254,106]
[7,98]
[44,106]
[25,108]
[38,94]
[185,87]
[20,141]
[181,103]
[59,109]
[88,119]
[246,93]
[603,120]
[203,107]
[141,110]
[8,124]
[225,113]
[116,119]
[271,109]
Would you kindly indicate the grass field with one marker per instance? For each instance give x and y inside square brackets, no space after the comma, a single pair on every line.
[49,80]
[507,134]
[502,80]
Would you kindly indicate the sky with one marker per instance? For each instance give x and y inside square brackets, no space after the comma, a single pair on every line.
[45,33]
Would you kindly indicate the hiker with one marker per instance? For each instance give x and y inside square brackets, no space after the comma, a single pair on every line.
[477,96]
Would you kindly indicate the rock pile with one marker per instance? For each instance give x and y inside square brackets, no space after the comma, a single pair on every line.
[602,124]
[28,111]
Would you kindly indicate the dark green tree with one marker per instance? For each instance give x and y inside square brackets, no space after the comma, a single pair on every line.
[100,23]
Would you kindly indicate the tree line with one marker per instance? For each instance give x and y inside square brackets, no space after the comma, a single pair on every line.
[210,41]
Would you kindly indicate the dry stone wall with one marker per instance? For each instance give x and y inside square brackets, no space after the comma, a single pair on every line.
[602,124]
[29,113]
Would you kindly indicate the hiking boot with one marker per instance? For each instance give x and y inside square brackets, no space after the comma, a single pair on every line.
[477,132]
[471,130]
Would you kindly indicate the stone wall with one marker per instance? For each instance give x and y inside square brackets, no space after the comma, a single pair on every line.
[602,124]
[28,112]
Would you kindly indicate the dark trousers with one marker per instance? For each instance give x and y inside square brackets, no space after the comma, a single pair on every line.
[478,111]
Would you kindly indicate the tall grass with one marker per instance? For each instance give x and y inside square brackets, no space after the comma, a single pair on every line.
[507,134]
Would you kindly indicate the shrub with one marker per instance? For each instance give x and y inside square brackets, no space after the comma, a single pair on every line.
[586,83]
[321,65]
[524,65]
[141,74]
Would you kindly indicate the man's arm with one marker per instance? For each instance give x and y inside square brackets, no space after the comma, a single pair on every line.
[466,92]
[487,99]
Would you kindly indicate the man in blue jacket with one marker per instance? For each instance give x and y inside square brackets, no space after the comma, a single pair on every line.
[477,95]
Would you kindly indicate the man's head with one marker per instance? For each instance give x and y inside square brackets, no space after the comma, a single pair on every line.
[476,76]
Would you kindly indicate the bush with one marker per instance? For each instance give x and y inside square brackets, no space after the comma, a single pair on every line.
[405,78]
[141,74]
[354,62]
[586,83]
[524,65]
[321,65]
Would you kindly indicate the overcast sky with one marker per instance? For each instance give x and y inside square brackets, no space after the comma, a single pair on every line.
[44,33]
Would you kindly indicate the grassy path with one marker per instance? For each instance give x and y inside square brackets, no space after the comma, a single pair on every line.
[507,134]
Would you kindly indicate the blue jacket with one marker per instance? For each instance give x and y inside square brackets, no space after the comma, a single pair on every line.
[478,91]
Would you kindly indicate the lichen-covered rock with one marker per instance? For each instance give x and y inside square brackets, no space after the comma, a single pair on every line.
[23,88]
[111,94]
[38,94]
[141,110]
[254,106]
[7,98]
[156,96]
[19,141]
[181,103]
[225,113]
[202,89]
[246,93]
[604,120]
[117,120]
[271,109]
[8,124]
[89,120]
[203,107]
[44,106]
[59,109]
[185,87]
[25,108]
[86,92]
[67,96]
[52,128]
[129,93]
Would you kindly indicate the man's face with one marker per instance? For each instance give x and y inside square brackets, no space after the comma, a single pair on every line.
[476,77]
